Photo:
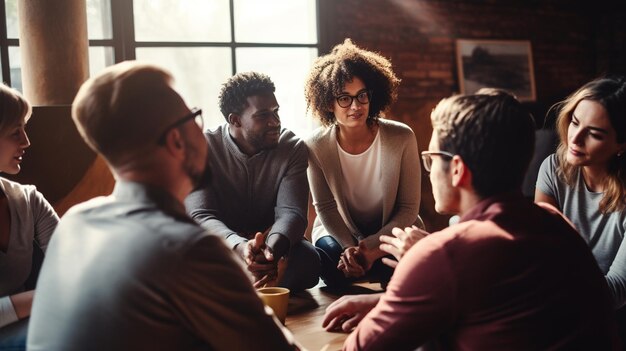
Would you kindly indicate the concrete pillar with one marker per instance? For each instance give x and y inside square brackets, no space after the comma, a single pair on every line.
[54,49]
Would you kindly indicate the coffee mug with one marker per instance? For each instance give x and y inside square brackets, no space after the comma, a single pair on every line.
[277,299]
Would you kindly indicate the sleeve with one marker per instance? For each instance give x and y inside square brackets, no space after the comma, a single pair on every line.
[202,208]
[45,218]
[418,306]
[616,276]
[406,208]
[7,311]
[546,178]
[290,212]
[226,313]
[326,205]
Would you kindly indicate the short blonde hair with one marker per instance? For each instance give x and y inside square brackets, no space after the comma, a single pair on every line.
[14,108]
[121,110]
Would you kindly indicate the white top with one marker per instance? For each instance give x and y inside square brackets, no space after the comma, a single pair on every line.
[362,185]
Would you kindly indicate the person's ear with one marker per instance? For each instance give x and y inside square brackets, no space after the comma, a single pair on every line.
[622,149]
[174,143]
[461,174]
[234,119]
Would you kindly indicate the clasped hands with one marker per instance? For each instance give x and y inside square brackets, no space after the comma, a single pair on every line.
[265,260]
[346,313]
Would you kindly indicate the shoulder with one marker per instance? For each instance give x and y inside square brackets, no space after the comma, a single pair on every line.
[395,128]
[289,139]
[21,192]
[216,135]
[320,140]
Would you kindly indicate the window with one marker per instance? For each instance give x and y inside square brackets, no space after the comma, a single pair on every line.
[202,42]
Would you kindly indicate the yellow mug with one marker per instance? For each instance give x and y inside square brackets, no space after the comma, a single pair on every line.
[277,299]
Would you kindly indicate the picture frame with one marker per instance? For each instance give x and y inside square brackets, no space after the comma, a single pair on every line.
[502,64]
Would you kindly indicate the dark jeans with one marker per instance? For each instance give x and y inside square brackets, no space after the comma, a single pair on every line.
[13,336]
[330,251]
[303,267]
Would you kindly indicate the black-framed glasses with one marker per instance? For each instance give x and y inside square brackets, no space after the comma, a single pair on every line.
[427,157]
[363,97]
[195,114]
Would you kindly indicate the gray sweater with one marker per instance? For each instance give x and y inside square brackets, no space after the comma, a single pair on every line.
[248,194]
[32,219]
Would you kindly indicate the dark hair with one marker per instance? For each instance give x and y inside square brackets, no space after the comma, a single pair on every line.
[492,133]
[234,93]
[610,92]
[330,73]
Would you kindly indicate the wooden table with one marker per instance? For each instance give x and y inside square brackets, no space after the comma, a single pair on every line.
[306,311]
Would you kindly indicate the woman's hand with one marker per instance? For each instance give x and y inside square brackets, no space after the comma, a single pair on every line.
[350,262]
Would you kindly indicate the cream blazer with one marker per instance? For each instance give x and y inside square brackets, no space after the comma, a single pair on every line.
[401,172]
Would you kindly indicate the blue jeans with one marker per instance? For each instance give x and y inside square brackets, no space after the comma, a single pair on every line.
[330,251]
[13,336]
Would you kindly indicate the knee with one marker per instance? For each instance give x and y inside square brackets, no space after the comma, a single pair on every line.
[304,266]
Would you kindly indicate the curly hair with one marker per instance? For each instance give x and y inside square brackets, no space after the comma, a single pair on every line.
[330,73]
[238,88]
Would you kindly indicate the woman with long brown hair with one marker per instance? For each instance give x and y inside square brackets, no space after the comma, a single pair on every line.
[586,178]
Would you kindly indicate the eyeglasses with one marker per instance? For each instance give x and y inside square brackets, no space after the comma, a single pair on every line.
[195,114]
[363,97]
[428,160]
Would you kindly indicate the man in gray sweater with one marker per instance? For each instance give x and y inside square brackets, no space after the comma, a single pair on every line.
[132,271]
[257,195]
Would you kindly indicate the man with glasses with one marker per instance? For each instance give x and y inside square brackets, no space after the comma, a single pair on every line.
[132,271]
[511,275]
[257,197]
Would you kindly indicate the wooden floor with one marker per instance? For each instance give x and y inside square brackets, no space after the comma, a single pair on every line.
[306,311]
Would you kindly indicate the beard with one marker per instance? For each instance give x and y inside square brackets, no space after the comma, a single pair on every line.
[260,142]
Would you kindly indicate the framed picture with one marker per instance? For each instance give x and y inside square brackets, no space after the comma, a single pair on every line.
[503,64]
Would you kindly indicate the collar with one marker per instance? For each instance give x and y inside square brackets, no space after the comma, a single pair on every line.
[150,194]
[484,208]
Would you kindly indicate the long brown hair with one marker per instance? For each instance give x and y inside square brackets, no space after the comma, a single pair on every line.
[611,94]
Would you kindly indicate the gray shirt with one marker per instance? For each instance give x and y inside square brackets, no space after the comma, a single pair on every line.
[32,218]
[604,233]
[249,194]
[132,271]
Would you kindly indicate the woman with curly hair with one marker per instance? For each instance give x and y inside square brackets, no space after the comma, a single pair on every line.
[364,170]
[586,178]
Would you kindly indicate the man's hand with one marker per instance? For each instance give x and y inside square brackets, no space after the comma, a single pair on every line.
[401,241]
[255,255]
[346,313]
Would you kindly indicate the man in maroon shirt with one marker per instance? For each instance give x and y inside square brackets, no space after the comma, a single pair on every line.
[511,275]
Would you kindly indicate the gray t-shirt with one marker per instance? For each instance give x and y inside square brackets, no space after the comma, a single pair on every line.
[604,233]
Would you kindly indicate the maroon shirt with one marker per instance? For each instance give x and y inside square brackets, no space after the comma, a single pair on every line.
[511,276]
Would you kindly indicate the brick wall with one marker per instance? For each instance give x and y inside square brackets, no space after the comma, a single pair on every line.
[570,43]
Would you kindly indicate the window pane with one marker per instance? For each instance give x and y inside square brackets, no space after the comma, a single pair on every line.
[15,65]
[199,74]
[288,68]
[99,58]
[12,19]
[99,19]
[182,20]
[276,21]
